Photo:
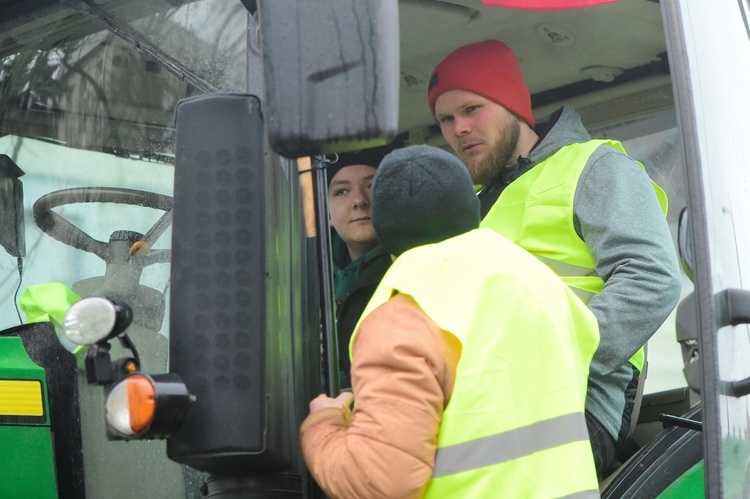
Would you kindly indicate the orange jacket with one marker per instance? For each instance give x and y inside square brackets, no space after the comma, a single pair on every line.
[402,376]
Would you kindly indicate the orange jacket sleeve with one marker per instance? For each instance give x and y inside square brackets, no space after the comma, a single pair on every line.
[402,376]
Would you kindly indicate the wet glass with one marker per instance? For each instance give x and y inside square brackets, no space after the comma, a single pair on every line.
[87,116]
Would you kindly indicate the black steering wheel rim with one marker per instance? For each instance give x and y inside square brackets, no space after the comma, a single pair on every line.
[62,230]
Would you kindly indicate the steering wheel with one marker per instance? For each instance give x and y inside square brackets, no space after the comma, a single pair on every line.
[112,251]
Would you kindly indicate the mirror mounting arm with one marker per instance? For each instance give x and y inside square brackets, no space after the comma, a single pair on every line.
[733,309]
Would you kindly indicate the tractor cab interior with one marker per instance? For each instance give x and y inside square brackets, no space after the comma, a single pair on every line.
[88,92]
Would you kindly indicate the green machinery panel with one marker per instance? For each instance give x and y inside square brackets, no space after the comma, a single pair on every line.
[27,459]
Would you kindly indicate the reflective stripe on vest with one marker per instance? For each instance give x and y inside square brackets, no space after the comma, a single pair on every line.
[572,273]
[523,368]
[536,212]
[509,445]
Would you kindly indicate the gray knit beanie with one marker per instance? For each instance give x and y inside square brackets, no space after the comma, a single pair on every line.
[422,195]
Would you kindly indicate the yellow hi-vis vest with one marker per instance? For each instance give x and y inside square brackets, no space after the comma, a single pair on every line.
[536,212]
[515,424]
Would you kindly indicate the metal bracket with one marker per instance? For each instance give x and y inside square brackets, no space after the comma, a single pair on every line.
[732,309]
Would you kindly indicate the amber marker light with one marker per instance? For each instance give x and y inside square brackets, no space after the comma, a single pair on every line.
[131,404]
[146,406]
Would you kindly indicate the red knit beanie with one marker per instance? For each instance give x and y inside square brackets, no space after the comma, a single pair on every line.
[487,68]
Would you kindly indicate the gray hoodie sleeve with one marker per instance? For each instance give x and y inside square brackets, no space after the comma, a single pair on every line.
[618,216]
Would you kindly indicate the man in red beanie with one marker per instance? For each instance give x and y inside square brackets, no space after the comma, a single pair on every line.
[580,205]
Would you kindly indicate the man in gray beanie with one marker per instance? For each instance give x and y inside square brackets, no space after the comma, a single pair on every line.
[469,365]
[422,198]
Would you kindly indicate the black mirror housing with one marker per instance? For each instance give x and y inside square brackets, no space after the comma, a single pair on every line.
[332,74]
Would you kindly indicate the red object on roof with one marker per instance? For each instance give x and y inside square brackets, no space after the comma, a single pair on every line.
[545,4]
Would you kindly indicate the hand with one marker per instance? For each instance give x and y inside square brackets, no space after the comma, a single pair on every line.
[324,402]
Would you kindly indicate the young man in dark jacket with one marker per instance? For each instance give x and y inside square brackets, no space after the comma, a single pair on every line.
[359,262]
[581,206]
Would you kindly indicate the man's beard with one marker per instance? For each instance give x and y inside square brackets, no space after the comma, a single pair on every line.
[488,169]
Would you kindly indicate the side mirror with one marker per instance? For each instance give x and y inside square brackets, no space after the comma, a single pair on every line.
[331,74]
[12,236]
[685,244]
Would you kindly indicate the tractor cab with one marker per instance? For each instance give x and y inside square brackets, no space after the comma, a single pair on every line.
[161,164]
